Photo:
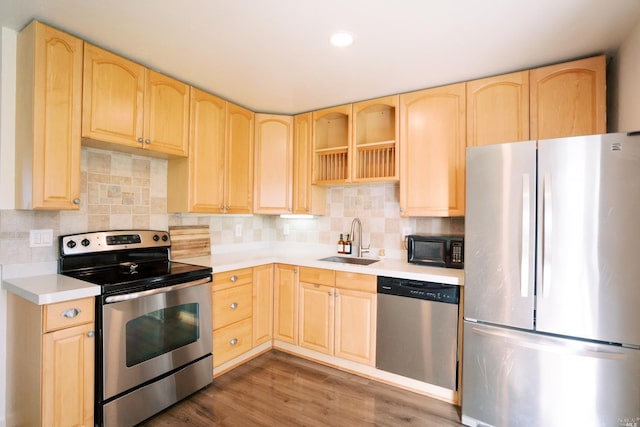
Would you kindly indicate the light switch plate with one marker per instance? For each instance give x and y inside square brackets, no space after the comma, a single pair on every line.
[238,230]
[40,238]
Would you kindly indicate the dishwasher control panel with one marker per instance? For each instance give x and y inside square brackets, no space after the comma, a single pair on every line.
[430,291]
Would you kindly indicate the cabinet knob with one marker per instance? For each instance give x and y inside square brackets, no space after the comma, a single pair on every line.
[234,278]
[91,334]
[147,141]
[233,305]
[76,201]
[140,140]
[70,313]
[234,341]
[295,271]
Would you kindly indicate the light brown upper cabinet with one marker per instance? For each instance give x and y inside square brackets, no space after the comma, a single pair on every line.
[196,183]
[239,160]
[273,164]
[569,99]
[332,130]
[498,109]
[432,152]
[127,105]
[217,177]
[375,139]
[308,199]
[48,118]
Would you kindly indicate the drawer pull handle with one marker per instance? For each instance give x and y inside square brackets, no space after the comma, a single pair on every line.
[233,305]
[70,313]
[234,278]
[234,341]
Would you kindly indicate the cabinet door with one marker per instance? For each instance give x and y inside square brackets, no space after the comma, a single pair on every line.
[48,118]
[285,304]
[307,199]
[113,98]
[316,317]
[239,160]
[273,164]
[432,147]
[67,377]
[202,173]
[569,99]
[498,109]
[355,330]
[166,115]
[262,304]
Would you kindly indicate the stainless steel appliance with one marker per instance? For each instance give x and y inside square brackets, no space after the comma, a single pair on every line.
[552,291]
[436,251]
[153,321]
[417,333]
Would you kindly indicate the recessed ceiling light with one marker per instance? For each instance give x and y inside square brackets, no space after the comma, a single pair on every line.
[341,39]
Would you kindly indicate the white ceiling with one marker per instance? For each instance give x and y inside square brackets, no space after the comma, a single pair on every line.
[274,55]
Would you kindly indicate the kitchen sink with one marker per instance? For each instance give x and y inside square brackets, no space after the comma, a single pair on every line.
[349,260]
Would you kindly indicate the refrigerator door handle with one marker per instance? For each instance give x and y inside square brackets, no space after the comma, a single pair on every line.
[546,235]
[526,235]
[540,343]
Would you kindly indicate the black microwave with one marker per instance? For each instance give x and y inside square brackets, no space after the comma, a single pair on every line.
[436,251]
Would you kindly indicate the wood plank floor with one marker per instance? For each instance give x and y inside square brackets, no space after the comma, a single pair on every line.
[279,389]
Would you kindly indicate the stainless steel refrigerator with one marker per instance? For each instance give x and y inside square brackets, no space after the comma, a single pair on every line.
[552,283]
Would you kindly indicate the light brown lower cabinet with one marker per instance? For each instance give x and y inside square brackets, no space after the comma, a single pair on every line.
[50,363]
[285,303]
[232,299]
[338,314]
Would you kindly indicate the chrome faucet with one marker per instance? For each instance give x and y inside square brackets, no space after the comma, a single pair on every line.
[360,250]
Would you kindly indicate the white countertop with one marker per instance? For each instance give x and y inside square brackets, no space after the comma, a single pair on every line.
[50,288]
[47,287]
[308,258]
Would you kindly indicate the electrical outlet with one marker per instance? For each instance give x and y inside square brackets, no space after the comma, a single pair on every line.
[40,238]
[285,229]
[238,230]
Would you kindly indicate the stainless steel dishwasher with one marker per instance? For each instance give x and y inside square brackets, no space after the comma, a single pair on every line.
[417,334]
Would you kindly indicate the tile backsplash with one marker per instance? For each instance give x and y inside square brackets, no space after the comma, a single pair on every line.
[124,191]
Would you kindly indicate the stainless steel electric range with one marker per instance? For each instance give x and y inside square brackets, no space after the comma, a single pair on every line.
[153,321]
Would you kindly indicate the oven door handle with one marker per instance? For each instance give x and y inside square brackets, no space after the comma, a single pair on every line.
[135,295]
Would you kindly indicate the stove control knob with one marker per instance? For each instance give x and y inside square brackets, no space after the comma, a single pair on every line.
[165,237]
[156,237]
[85,242]
[71,244]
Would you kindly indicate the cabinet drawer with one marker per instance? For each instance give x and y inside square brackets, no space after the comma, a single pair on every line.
[317,276]
[232,278]
[231,341]
[68,313]
[231,305]
[356,281]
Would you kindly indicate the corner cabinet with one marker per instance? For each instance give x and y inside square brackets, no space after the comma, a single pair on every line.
[308,199]
[569,99]
[127,105]
[285,303]
[273,176]
[48,118]
[262,304]
[50,363]
[432,152]
[217,177]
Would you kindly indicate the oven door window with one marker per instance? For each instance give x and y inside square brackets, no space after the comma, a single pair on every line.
[160,332]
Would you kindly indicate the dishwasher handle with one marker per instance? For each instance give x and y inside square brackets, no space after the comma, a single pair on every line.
[431,291]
